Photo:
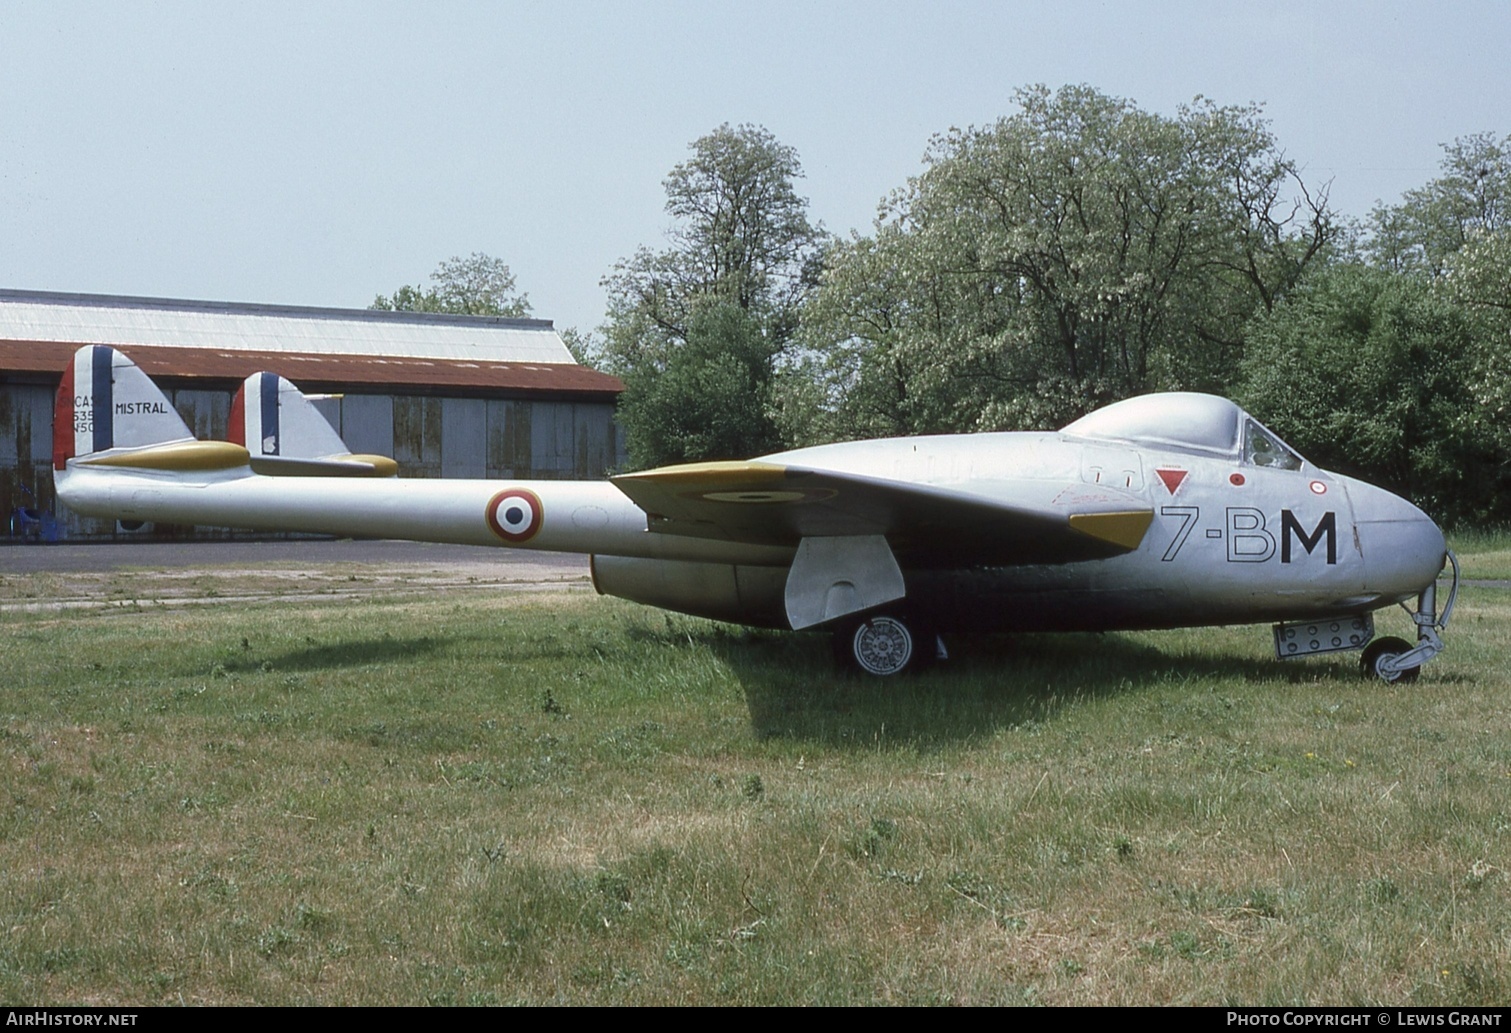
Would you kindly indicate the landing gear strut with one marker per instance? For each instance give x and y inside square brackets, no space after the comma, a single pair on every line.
[1395,660]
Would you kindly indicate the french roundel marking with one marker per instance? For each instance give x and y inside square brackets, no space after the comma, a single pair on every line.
[515,515]
[1318,488]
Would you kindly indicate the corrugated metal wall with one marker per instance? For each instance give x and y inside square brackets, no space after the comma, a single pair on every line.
[365,423]
[429,437]
[26,489]
[206,412]
[475,437]
[464,437]
[417,436]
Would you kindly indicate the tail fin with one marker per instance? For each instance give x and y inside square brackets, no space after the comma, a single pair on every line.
[109,413]
[287,436]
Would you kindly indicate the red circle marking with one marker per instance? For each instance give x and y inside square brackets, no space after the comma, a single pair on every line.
[523,526]
[1318,488]
[1236,480]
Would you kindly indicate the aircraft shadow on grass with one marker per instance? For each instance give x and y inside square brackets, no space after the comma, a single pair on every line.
[994,683]
[793,689]
[328,656]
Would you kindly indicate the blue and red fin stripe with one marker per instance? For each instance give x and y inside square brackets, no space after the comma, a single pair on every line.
[102,388]
[256,415]
[83,413]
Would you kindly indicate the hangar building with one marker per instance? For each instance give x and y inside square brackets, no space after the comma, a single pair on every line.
[444,395]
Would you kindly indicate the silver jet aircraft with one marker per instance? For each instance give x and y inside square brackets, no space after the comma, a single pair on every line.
[1162,511]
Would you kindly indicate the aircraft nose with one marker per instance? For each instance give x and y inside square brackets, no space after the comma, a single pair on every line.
[1403,548]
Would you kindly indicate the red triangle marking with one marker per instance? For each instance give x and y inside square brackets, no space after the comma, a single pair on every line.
[1172,478]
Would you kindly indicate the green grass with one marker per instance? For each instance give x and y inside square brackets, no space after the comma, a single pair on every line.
[494,799]
[1484,555]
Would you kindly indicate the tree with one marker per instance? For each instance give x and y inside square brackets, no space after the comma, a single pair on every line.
[710,398]
[1374,374]
[1478,275]
[1074,253]
[698,331]
[1433,222]
[1478,278]
[1396,370]
[478,285]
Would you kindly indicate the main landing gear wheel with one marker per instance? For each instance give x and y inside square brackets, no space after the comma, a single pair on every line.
[1387,648]
[880,646]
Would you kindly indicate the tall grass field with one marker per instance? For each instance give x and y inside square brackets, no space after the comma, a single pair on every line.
[473,797]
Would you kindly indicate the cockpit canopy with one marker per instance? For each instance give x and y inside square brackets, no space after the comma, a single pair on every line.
[1188,422]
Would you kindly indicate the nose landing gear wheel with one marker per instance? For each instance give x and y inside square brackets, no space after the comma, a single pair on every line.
[1382,649]
[880,646]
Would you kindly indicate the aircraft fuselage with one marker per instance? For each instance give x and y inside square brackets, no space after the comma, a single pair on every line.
[1229,543]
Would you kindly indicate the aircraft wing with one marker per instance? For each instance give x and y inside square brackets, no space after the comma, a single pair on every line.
[1015,521]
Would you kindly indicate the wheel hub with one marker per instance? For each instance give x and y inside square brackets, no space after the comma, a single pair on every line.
[882,646]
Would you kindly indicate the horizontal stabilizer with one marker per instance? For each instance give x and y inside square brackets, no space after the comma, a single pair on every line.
[348,465]
[177,456]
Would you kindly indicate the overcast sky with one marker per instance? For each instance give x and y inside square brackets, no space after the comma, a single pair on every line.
[319,153]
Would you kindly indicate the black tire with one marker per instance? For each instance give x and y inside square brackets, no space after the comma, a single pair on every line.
[1377,651]
[882,646]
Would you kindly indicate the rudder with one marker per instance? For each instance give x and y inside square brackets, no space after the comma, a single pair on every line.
[105,402]
[287,436]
